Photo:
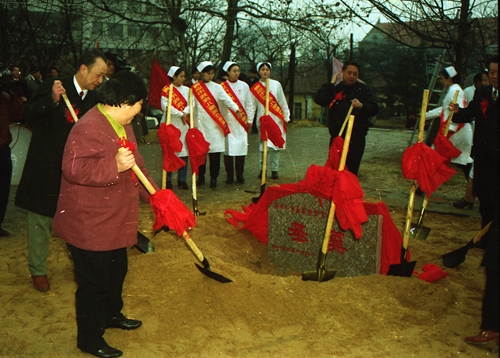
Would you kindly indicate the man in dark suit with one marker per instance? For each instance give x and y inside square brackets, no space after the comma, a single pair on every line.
[51,122]
[484,111]
[339,98]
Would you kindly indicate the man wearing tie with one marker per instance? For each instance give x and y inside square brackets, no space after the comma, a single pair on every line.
[484,111]
[47,114]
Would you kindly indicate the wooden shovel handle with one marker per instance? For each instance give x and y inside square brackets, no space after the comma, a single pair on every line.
[169,107]
[450,116]
[264,143]
[70,107]
[481,233]
[151,191]
[413,188]
[331,212]
[346,120]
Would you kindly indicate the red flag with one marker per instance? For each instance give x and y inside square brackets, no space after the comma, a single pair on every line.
[158,80]
[268,126]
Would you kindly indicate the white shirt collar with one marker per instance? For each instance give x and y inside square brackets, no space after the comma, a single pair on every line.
[78,88]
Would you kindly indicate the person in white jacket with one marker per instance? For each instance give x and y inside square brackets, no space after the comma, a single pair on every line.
[208,96]
[461,136]
[278,110]
[179,117]
[237,139]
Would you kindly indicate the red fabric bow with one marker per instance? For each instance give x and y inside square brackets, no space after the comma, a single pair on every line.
[125,143]
[426,166]
[269,127]
[347,195]
[198,148]
[484,107]
[431,273]
[169,136]
[170,211]
[445,148]
[338,97]
[69,116]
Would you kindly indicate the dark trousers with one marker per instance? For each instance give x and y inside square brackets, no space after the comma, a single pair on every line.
[100,276]
[5,179]
[214,166]
[356,150]
[239,163]
[490,314]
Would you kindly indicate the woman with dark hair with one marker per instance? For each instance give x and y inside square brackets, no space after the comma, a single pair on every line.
[98,208]
[237,139]
[460,134]
[208,96]
[278,110]
[179,117]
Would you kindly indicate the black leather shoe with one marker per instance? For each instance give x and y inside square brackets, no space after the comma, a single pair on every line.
[274,175]
[200,181]
[123,323]
[463,204]
[169,184]
[240,180]
[105,352]
[182,185]
[213,182]
[229,180]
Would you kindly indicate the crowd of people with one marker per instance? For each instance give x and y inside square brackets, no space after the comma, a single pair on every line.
[85,175]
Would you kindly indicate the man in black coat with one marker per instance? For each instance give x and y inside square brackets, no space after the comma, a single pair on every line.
[339,98]
[484,111]
[51,121]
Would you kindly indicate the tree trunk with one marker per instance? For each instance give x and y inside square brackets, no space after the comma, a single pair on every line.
[232,12]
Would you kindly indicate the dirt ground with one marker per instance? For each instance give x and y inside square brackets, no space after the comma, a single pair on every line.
[262,313]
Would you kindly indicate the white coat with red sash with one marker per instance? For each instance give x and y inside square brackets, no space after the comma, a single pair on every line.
[204,122]
[176,115]
[237,140]
[276,89]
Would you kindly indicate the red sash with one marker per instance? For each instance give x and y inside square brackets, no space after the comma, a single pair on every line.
[259,91]
[178,100]
[243,120]
[209,104]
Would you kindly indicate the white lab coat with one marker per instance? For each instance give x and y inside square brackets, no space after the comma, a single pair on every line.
[211,130]
[276,89]
[237,140]
[175,117]
[462,139]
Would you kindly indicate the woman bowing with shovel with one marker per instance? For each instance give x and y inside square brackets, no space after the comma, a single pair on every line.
[98,208]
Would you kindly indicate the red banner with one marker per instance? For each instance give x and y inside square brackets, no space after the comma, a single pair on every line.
[159,79]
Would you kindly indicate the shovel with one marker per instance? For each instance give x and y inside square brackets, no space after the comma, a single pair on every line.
[419,231]
[346,120]
[405,268]
[169,111]
[196,211]
[264,152]
[455,258]
[205,269]
[322,274]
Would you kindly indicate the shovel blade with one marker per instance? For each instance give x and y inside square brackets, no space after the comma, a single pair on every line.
[320,275]
[455,258]
[213,275]
[420,233]
[403,269]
